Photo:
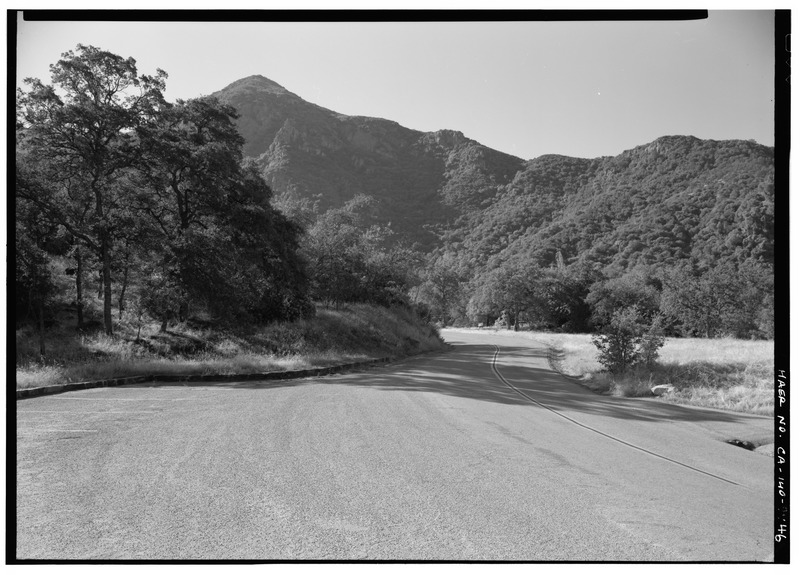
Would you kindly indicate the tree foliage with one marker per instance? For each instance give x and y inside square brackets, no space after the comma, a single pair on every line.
[154,196]
[629,339]
[634,289]
[81,131]
[510,289]
[350,259]
[442,288]
[726,300]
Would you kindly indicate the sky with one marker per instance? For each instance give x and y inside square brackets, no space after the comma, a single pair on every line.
[583,89]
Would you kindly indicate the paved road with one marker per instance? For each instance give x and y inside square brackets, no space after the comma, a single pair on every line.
[436,457]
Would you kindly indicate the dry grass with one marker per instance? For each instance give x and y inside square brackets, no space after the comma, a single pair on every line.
[356,333]
[725,373]
[746,386]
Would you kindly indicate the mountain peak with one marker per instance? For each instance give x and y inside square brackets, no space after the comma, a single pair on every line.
[258,83]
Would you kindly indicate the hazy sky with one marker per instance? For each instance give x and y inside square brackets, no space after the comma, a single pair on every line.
[526,88]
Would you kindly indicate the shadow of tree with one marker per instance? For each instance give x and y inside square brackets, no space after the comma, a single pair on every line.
[466,372]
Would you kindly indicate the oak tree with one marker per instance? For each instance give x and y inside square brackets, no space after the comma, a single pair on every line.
[81,130]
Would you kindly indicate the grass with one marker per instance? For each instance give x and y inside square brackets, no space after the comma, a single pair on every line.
[725,373]
[357,332]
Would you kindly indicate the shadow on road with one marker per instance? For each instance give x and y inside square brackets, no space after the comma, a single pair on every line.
[466,372]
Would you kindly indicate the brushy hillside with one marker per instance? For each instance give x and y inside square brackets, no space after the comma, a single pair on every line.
[354,333]
[419,179]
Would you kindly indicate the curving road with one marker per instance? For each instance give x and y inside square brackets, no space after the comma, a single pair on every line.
[480,453]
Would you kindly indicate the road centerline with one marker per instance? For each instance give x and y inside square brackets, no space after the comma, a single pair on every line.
[500,376]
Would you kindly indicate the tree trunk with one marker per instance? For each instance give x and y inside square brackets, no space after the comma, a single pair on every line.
[140,312]
[79,285]
[164,324]
[41,329]
[516,321]
[121,300]
[106,259]
[183,311]
[105,256]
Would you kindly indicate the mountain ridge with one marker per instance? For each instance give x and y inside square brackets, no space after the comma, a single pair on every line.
[442,188]
[309,151]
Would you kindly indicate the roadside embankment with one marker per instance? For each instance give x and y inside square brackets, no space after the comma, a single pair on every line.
[354,336]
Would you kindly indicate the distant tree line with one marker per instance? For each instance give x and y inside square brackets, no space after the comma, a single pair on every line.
[685,300]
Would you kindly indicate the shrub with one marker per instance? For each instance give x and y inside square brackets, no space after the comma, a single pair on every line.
[629,340]
[618,345]
[652,340]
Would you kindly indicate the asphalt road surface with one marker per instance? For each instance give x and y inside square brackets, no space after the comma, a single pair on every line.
[479,453]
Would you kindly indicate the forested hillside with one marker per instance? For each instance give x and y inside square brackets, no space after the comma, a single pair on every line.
[677,198]
[688,219]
